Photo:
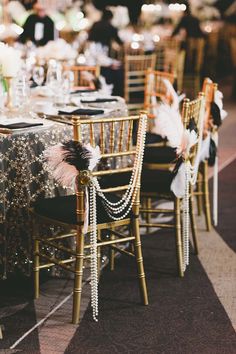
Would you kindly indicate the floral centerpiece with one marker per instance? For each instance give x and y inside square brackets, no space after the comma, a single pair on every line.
[10,63]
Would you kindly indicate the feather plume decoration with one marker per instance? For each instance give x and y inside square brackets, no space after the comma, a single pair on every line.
[188,140]
[86,75]
[179,182]
[175,97]
[219,101]
[205,148]
[171,92]
[169,124]
[67,159]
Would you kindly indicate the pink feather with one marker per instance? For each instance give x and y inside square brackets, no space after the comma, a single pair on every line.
[63,173]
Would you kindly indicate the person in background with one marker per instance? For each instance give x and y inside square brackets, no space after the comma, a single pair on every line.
[103,32]
[38,28]
[190,24]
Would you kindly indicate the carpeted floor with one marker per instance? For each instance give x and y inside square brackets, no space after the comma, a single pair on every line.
[184,315]
[227,205]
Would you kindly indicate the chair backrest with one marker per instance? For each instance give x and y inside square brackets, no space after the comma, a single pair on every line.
[171,59]
[209,88]
[80,71]
[155,87]
[194,110]
[190,110]
[114,137]
[135,67]
[166,53]
[195,54]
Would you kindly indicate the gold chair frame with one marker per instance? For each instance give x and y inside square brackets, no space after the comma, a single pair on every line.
[74,263]
[191,109]
[135,67]
[202,192]
[157,90]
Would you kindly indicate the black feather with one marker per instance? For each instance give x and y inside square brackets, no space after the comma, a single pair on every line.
[179,162]
[97,83]
[76,154]
[212,153]
[192,125]
[215,113]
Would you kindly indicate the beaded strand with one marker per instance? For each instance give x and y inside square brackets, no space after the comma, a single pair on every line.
[113,209]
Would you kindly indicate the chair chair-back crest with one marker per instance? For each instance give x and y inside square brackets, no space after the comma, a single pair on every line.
[155,87]
[80,72]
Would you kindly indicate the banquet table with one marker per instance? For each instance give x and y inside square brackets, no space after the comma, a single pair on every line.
[24,178]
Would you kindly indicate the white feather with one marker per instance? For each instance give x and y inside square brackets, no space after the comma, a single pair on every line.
[169,124]
[178,183]
[205,148]
[95,156]
[219,101]
[171,91]
[86,75]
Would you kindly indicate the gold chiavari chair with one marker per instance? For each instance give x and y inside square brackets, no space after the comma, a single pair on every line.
[156,183]
[68,212]
[135,67]
[80,71]
[194,62]
[154,93]
[156,149]
[155,87]
[202,192]
[171,59]
[119,52]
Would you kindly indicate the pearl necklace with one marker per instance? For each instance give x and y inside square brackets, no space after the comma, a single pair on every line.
[124,205]
[191,173]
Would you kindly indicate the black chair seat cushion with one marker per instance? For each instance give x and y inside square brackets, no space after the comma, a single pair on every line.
[63,209]
[156,181]
[152,138]
[152,181]
[159,154]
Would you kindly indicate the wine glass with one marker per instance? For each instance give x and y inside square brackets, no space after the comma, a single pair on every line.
[21,93]
[38,75]
[69,77]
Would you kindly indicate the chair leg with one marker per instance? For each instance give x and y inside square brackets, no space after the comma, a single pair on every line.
[36,268]
[112,255]
[178,236]
[138,252]
[206,196]
[148,215]
[193,222]
[78,278]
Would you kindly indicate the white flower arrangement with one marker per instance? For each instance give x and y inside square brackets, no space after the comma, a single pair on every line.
[58,49]
[10,60]
[204,10]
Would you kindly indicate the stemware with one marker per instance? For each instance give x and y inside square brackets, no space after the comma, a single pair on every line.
[21,92]
[38,75]
[69,77]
